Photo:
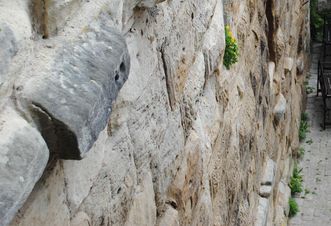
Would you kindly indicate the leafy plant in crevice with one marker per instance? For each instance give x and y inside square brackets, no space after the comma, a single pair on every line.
[296,181]
[300,152]
[304,127]
[294,208]
[231,53]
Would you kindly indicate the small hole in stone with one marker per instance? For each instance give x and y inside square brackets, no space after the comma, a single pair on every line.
[117,76]
[122,67]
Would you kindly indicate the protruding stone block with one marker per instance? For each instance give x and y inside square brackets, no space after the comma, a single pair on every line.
[269,173]
[271,70]
[23,158]
[70,99]
[149,3]
[288,63]
[262,212]
[280,107]
[265,191]
[8,49]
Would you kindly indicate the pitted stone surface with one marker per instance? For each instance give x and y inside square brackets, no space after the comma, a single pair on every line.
[71,100]
[197,130]
[23,157]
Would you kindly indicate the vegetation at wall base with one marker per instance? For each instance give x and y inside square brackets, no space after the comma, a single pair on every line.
[294,208]
[296,181]
[304,127]
[231,52]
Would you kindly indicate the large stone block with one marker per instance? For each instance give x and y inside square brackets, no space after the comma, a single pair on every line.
[70,99]
[8,48]
[23,158]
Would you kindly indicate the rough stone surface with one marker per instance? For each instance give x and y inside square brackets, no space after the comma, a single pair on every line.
[288,64]
[262,212]
[282,210]
[187,140]
[80,219]
[8,48]
[280,107]
[23,158]
[71,101]
[265,191]
[269,173]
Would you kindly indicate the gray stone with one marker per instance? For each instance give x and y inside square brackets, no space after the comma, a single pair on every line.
[81,219]
[149,3]
[8,49]
[71,100]
[23,158]
[265,191]
[269,173]
[262,212]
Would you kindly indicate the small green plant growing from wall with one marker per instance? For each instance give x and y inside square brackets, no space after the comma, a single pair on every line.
[296,181]
[294,208]
[304,127]
[301,152]
[231,52]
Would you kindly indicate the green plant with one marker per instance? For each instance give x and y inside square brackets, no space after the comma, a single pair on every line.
[231,52]
[316,21]
[301,152]
[296,181]
[304,127]
[294,208]
[305,116]
[309,89]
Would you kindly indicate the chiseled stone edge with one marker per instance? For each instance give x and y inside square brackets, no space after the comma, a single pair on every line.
[71,101]
[23,158]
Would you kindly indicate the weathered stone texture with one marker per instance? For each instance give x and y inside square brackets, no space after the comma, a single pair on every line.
[23,157]
[71,100]
[187,141]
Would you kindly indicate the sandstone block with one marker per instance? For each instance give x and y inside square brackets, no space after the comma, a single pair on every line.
[288,63]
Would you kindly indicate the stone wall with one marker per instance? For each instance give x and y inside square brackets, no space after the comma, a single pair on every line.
[187,142]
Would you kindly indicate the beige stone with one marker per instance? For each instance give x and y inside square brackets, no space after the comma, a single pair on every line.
[188,141]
